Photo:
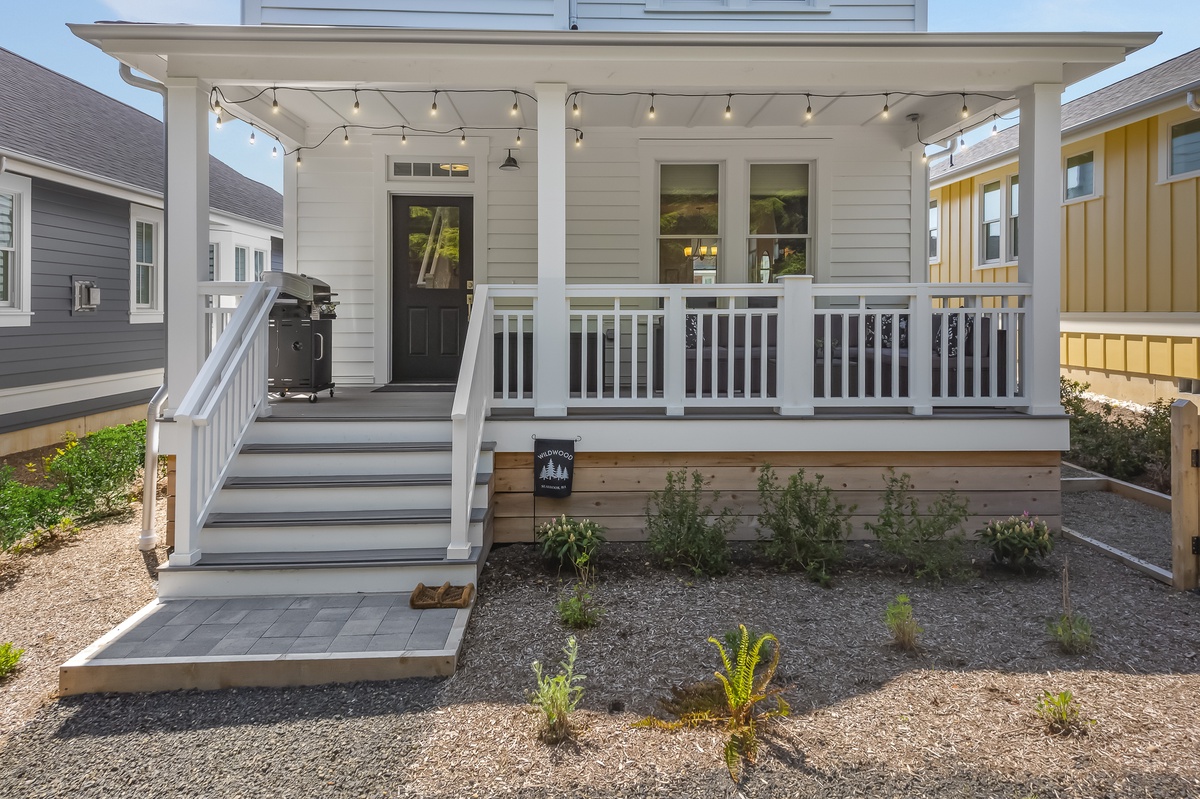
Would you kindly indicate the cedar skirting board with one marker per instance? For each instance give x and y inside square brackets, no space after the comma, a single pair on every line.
[613,488]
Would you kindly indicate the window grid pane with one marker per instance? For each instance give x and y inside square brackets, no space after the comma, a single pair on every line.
[933,230]
[990,231]
[144,289]
[259,264]
[778,199]
[239,263]
[1014,199]
[1079,176]
[6,261]
[1185,147]
[7,203]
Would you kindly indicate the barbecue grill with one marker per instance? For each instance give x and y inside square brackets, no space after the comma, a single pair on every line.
[300,328]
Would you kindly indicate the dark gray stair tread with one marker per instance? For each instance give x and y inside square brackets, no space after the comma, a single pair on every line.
[346,518]
[348,481]
[326,560]
[301,448]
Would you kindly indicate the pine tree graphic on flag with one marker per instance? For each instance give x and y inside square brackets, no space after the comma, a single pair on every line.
[548,471]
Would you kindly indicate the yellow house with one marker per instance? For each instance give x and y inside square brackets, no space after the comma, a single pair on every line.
[1130,322]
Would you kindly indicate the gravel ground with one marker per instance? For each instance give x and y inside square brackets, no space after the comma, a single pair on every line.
[956,719]
[1074,471]
[1128,525]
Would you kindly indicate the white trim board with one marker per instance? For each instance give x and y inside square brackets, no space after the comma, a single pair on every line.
[1180,325]
[47,395]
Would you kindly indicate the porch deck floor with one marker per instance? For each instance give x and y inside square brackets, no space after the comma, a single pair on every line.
[364,402]
[269,641]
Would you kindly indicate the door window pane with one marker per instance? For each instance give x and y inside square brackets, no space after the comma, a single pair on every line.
[1185,147]
[772,257]
[778,222]
[689,215]
[433,240]
[1079,176]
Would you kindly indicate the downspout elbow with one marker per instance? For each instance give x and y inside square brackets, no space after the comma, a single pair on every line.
[948,150]
[1191,101]
[142,83]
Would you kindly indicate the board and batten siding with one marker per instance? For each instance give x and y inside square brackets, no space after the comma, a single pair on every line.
[863,221]
[1132,249]
[82,234]
[599,15]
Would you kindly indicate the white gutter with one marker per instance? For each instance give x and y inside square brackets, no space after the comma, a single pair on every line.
[1192,104]
[949,149]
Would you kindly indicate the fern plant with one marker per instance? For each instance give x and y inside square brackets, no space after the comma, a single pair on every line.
[734,701]
[807,523]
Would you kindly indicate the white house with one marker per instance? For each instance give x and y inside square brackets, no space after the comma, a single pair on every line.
[689,233]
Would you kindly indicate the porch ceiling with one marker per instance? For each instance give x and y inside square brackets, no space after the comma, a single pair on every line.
[244,59]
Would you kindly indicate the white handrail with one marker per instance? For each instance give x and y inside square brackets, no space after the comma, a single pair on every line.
[472,401]
[217,410]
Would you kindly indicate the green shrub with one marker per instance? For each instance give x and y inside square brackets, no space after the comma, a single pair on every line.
[565,539]
[734,701]
[557,696]
[902,625]
[25,508]
[931,543]
[9,655]
[579,611]
[1072,631]
[1060,712]
[1116,445]
[1018,542]
[807,523]
[683,530]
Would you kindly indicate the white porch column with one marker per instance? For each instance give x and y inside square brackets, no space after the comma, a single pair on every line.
[551,331]
[187,226]
[1040,148]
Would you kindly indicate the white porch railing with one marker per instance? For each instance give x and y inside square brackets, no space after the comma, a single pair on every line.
[227,395]
[472,402]
[218,300]
[791,346]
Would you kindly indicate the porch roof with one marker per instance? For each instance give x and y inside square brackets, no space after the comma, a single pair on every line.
[943,64]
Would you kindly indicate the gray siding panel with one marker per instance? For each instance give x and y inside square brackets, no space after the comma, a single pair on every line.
[83,234]
[10,422]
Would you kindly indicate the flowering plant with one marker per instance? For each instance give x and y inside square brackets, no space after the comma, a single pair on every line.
[565,539]
[1018,541]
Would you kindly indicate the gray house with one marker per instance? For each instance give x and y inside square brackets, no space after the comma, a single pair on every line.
[82,253]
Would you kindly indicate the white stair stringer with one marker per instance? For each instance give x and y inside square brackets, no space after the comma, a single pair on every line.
[335,506]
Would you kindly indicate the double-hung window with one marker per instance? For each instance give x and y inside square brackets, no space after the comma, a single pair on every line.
[1185,148]
[15,252]
[999,205]
[688,223]
[934,253]
[260,264]
[778,236]
[146,259]
[239,263]
[1012,238]
[1079,177]
[989,228]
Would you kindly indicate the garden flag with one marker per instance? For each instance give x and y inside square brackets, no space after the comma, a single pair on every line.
[553,467]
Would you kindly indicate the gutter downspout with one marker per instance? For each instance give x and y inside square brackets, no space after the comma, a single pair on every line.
[149,538]
[948,150]
[1192,104]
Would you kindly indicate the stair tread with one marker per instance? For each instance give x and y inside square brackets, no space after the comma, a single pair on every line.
[337,517]
[347,480]
[298,448]
[330,559]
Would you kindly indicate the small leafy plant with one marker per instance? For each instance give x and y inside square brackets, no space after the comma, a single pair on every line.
[1018,542]
[1060,712]
[557,696]
[684,530]
[565,539]
[9,656]
[1072,631]
[807,523]
[902,625]
[579,611]
[931,543]
[734,701]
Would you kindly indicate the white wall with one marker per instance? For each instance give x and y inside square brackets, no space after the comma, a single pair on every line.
[596,15]
[863,214]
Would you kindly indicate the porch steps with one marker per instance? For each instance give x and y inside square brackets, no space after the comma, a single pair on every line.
[332,506]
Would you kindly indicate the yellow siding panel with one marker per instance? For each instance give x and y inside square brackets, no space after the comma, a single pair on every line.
[1075,241]
[1114,221]
[1158,223]
[1094,257]
[1186,355]
[1076,350]
[1093,351]
[1062,349]
[1114,353]
[1160,355]
[1185,246]
[1135,354]
[1137,182]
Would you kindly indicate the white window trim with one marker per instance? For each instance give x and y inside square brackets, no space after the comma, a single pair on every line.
[153,314]
[935,206]
[1009,258]
[266,262]
[247,264]
[20,312]
[1006,258]
[744,203]
[1165,123]
[1097,151]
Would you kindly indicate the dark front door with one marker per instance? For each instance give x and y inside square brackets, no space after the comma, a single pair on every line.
[432,279]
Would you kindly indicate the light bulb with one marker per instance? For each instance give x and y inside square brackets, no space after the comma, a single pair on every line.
[808,110]
[995,130]
[962,142]
[299,160]
[274,102]
[518,135]
[575,106]
[965,112]
[516,109]
[579,138]
[274,152]
[218,121]
[403,136]
[357,106]
[217,106]
[652,106]
[886,107]
[433,108]
[729,107]
[924,158]
[252,136]
[463,140]
[345,136]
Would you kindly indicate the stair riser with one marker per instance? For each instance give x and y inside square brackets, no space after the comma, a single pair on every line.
[331,538]
[278,582]
[340,432]
[299,500]
[292,465]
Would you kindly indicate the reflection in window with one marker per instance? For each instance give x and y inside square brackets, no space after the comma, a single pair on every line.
[144,265]
[1014,196]
[1185,147]
[7,247]
[990,228]
[933,230]
[433,247]
[688,216]
[778,224]
[1079,176]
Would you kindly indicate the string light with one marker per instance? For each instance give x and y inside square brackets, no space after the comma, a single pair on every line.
[808,111]
[216,106]
[578,138]
[274,101]
[357,107]
[274,152]
[345,136]
[518,135]
[403,135]
[965,111]
[886,106]
[463,140]
[252,135]
[299,160]
[433,108]
[516,108]
[652,106]
[924,157]
[575,105]
[729,106]
[218,121]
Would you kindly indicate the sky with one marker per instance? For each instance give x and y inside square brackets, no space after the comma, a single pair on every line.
[37,31]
